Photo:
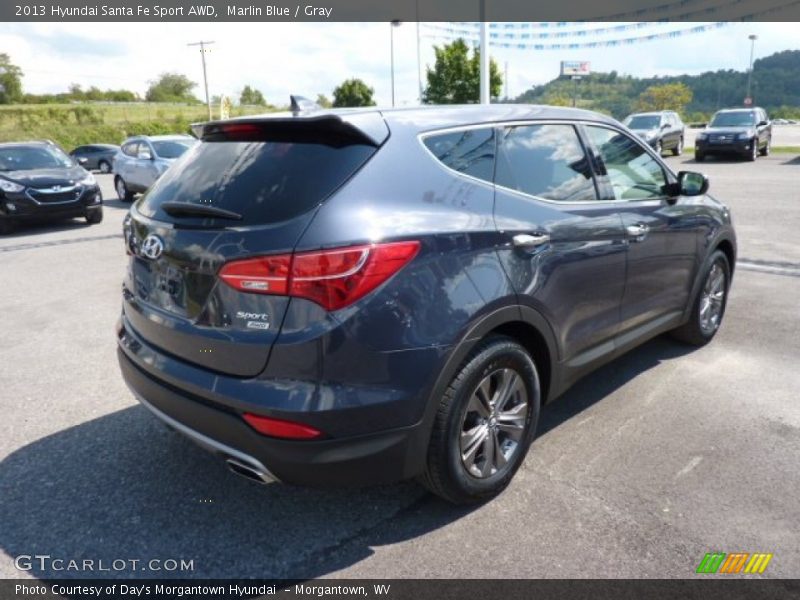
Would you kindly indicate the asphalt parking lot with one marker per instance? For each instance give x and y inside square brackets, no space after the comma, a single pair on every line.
[638,471]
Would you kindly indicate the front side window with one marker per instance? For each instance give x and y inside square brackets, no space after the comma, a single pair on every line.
[144,151]
[628,169]
[130,149]
[547,161]
[470,152]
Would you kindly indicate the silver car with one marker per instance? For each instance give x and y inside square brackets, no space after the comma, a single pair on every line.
[143,159]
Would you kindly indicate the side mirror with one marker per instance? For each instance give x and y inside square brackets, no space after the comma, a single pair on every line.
[82,161]
[665,126]
[763,124]
[691,183]
[145,155]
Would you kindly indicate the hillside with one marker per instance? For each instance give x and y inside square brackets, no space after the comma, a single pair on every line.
[776,86]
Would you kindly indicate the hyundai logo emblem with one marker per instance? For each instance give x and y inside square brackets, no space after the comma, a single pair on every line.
[152,247]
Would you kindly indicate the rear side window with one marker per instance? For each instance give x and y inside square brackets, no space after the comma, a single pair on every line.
[547,161]
[265,182]
[470,152]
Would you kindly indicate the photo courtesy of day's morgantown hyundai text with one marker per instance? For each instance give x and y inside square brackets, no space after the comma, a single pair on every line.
[330,297]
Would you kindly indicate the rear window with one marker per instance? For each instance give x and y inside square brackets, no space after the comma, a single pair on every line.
[173,148]
[265,182]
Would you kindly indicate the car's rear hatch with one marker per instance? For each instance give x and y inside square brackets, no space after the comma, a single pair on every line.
[249,189]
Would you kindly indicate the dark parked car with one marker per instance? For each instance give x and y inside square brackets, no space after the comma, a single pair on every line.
[662,130]
[349,297]
[744,132]
[39,181]
[98,156]
[143,159]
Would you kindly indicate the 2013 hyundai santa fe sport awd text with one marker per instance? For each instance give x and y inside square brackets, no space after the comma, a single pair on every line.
[362,296]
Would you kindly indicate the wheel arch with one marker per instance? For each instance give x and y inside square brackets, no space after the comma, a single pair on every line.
[728,249]
[521,323]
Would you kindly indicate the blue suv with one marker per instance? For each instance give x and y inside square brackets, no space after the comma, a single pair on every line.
[363,296]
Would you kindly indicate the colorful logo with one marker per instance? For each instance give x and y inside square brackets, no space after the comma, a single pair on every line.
[737,562]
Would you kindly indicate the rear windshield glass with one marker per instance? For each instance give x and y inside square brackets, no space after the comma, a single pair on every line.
[643,122]
[173,148]
[265,182]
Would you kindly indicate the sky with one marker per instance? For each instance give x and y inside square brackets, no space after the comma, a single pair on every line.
[310,58]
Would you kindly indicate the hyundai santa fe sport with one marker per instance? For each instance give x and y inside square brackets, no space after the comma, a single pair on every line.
[364,296]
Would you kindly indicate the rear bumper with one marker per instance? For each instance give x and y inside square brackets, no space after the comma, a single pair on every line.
[382,456]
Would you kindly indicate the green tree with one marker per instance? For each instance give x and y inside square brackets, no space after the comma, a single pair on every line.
[171,87]
[667,96]
[253,96]
[353,92]
[455,77]
[10,81]
[324,101]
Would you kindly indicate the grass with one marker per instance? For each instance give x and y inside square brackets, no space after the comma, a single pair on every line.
[773,149]
[71,125]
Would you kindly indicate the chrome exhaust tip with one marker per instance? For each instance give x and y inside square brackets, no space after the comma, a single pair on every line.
[248,471]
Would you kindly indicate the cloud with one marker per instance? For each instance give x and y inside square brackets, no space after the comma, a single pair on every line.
[310,58]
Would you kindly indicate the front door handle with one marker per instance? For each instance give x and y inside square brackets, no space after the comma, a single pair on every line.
[637,232]
[527,241]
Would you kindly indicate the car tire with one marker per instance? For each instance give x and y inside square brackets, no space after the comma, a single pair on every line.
[122,190]
[765,150]
[678,150]
[708,307]
[104,166]
[753,154]
[6,226]
[477,442]
[699,156]
[94,216]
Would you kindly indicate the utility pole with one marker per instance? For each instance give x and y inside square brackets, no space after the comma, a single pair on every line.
[392,25]
[419,62]
[203,51]
[484,64]
[505,76]
[748,98]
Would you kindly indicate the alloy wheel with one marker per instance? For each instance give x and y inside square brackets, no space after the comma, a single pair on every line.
[121,191]
[712,299]
[494,423]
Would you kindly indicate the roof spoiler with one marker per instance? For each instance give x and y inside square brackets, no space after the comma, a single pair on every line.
[332,129]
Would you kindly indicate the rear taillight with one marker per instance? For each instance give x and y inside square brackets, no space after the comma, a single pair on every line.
[265,274]
[281,429]
[331,278]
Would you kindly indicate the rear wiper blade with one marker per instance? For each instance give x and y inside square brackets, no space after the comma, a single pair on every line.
[190,209]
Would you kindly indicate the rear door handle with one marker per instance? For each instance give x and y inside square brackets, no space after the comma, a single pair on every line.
[527,241]
[637,232]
